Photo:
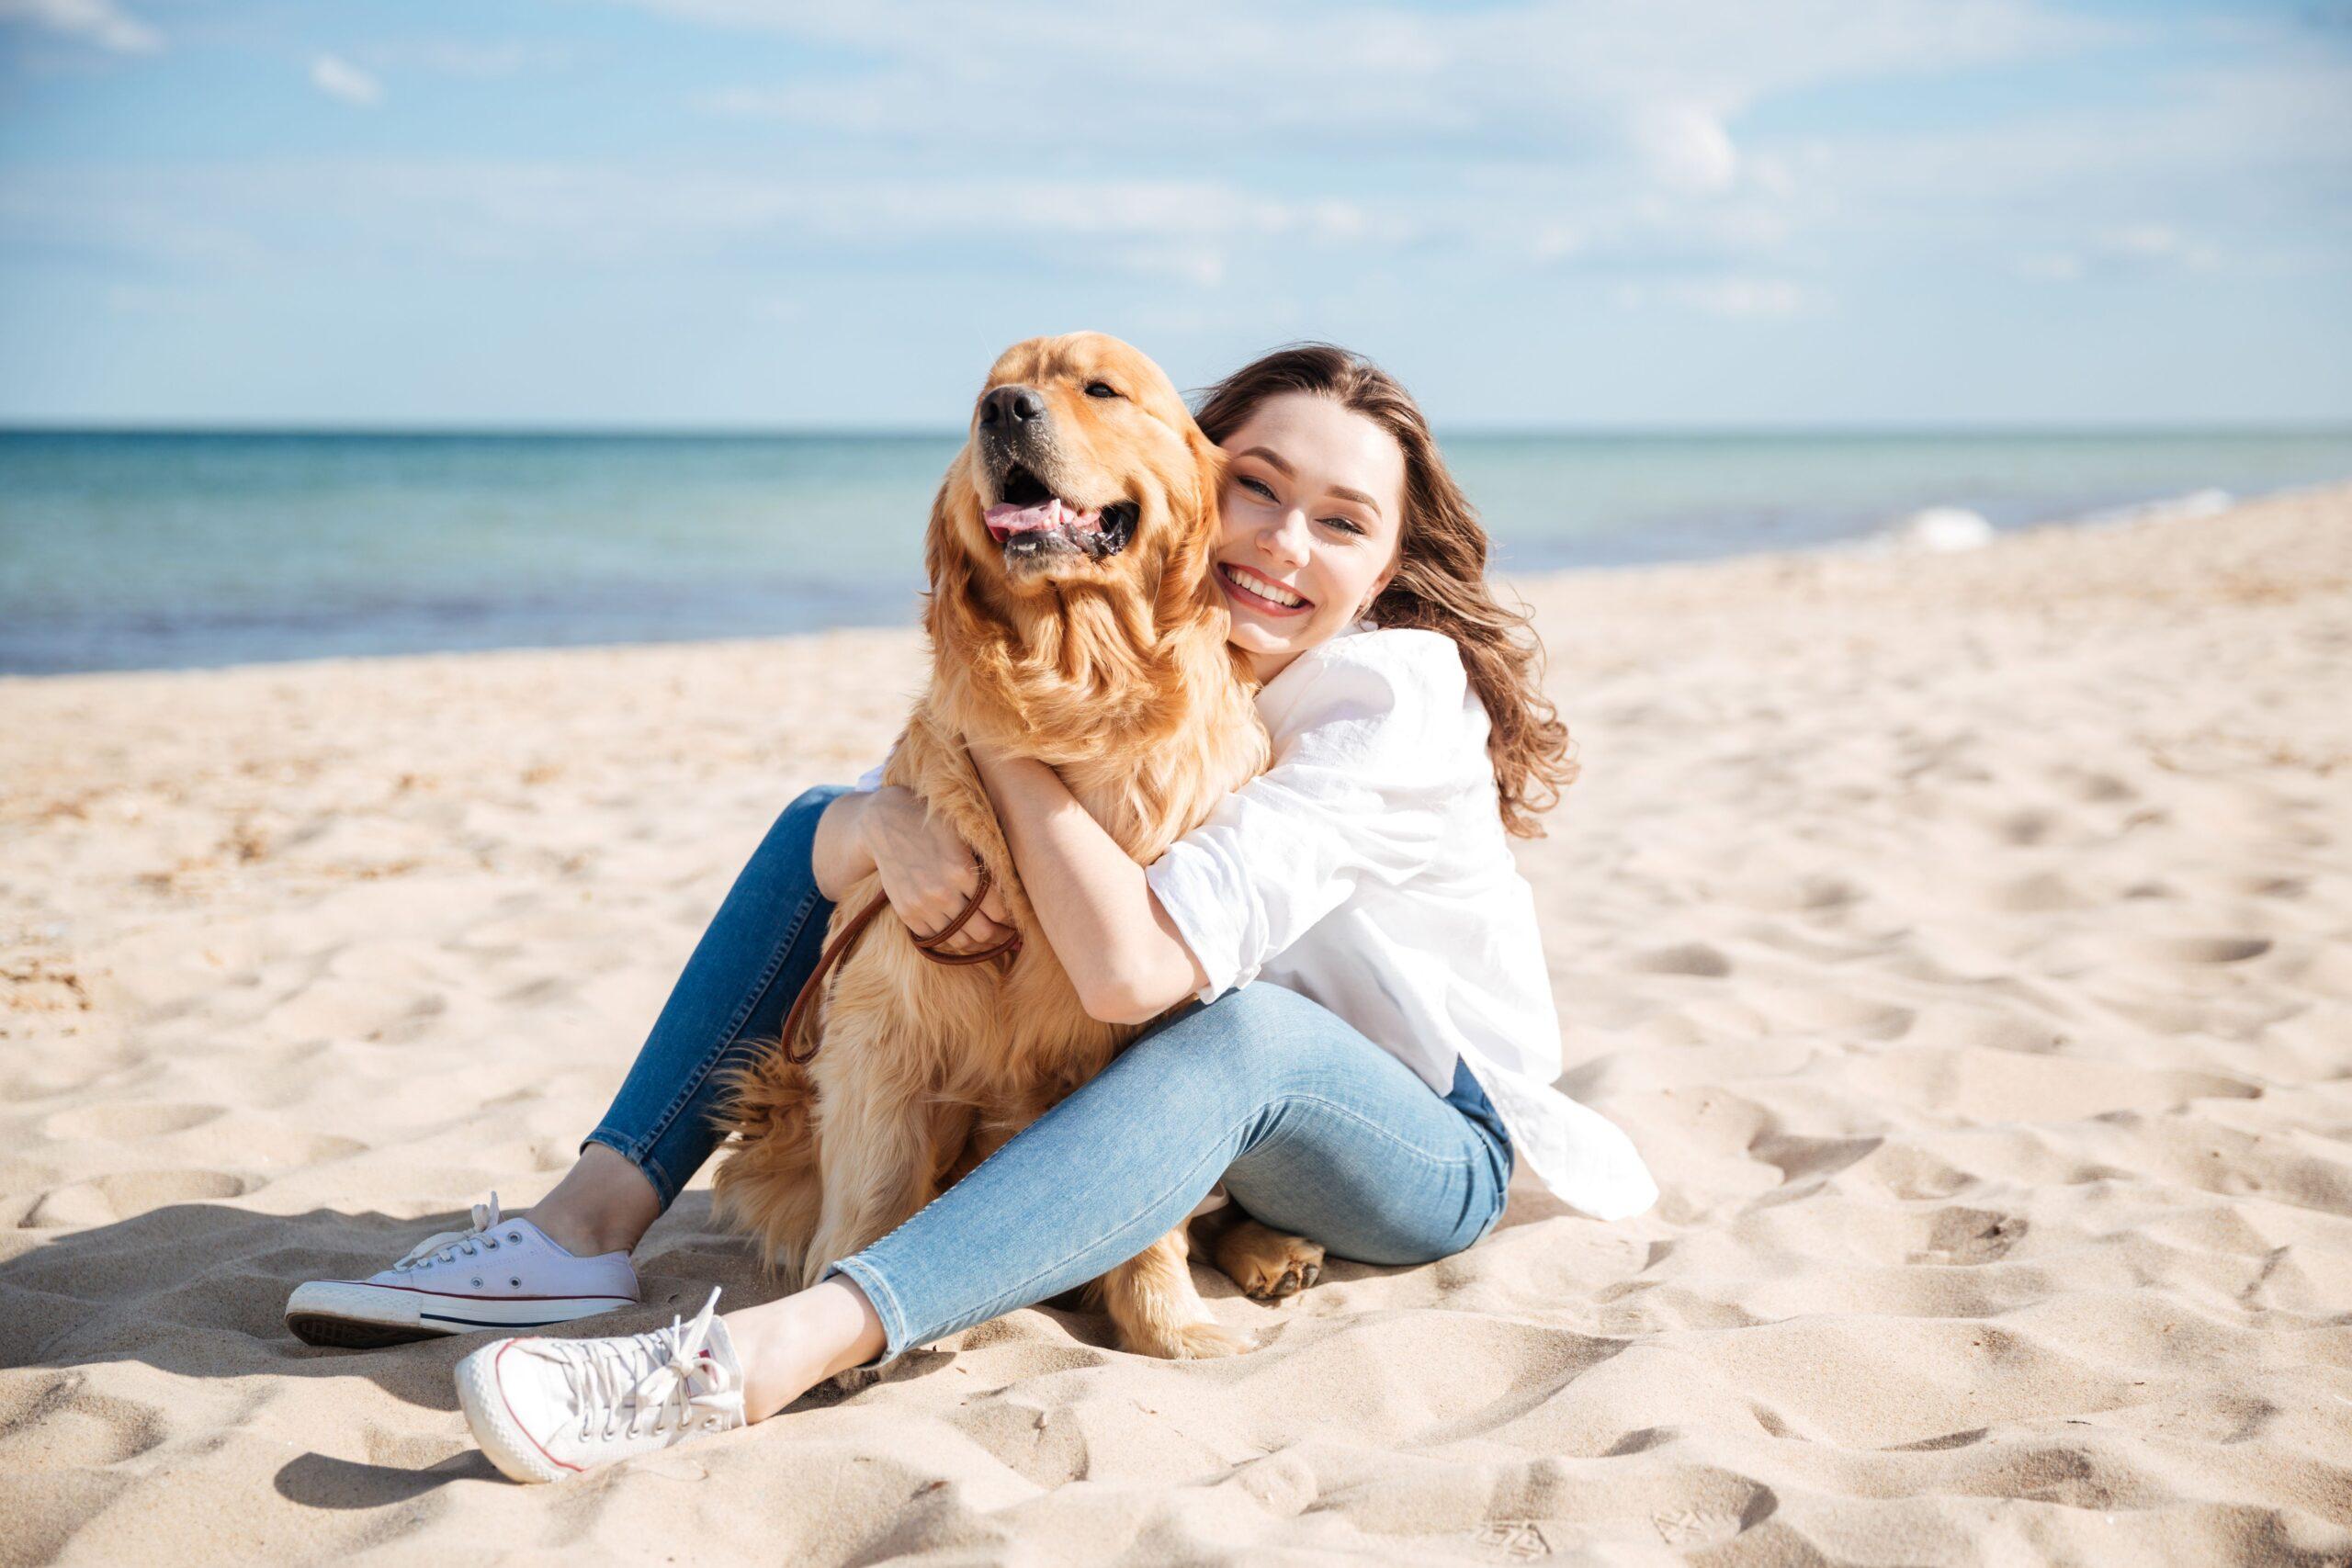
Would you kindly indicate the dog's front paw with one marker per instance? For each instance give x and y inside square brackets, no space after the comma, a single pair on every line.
[1268,1265]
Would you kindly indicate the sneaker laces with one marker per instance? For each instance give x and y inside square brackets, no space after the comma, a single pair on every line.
[627,1380]
[446,1247]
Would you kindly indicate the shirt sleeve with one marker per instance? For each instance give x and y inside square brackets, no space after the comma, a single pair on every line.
[1374,756]
[871,780]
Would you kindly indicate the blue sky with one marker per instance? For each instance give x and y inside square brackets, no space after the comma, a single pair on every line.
[722,213]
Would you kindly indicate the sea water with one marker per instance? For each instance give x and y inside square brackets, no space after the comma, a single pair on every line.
[122,550]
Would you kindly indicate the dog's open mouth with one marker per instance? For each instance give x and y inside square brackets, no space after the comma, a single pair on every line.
[1030,520]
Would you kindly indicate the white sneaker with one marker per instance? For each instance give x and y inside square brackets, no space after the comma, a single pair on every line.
[503,1273]
[543,1409]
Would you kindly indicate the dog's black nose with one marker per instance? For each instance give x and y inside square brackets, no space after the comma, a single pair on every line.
[1011,406]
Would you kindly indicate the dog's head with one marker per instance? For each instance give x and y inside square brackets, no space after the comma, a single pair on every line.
[1083,469]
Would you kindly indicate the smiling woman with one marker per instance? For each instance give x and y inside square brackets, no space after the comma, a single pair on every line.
[1313,515]
[1317,433]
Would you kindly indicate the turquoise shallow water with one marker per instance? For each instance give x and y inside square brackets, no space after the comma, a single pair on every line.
[146,550]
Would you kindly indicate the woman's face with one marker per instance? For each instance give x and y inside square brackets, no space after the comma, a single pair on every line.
[1313,508]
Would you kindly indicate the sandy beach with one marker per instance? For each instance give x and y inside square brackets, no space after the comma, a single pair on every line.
[1966,941]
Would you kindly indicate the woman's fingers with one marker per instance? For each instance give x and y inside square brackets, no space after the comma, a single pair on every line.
[978,936]
[985,928]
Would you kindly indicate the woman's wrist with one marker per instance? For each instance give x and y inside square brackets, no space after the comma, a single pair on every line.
[842,856]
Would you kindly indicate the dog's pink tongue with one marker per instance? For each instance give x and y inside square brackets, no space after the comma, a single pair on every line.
[1006,519]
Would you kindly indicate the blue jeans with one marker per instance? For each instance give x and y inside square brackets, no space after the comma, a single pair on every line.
[1314,1129]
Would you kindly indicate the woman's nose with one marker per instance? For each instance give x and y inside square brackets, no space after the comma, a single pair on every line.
[1285,538]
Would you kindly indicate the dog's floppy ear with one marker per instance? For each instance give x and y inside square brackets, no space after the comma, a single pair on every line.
[1184,580]
[947,609]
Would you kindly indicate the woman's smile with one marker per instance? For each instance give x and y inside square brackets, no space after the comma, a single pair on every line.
[1256,591]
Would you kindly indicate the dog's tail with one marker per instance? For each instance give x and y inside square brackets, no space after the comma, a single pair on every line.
[766,1186]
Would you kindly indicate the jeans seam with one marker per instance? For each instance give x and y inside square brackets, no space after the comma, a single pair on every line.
[727,1036]
[1366,1121]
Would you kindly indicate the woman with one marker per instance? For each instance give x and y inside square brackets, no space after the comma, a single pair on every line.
[1371,1093]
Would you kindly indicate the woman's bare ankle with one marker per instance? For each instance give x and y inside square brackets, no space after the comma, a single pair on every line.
[603,1205]
[790,1344]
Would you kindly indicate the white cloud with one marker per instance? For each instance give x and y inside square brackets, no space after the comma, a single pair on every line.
[1686,148]
[1649,85]
[1588,134]
[100,22]
[2157,242]
[1202,265]
[338,78]
[2130,248]
[1187,231]
[2051,267]
[1556,240]
[1735,298]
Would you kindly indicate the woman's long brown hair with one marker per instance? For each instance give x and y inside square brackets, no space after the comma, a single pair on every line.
[1441,582]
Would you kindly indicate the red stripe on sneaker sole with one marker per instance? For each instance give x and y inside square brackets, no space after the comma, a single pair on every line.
[461,1296]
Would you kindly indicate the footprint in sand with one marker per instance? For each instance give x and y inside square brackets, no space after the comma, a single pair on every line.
[2042,892]
[1688,958]
[2207,949]
[2024,827]
[153,1120]
[2099,788]
[1911,1173]
[128,1192]
[1816,1008]
[57,1422]
[1969,1236]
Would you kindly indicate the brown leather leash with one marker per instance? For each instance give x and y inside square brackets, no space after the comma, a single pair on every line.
[926,946]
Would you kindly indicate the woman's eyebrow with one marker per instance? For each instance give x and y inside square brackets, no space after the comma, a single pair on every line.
[1343,492]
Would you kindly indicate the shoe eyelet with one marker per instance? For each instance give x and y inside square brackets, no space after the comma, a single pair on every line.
[515,1236]
[490,1242]
[477,1281]
[515,1283]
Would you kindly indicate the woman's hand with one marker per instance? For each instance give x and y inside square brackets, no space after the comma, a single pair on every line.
[928,873]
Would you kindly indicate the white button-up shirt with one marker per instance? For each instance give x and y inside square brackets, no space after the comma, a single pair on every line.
[1367,869]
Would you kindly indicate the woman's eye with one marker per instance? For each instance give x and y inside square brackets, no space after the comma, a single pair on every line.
[1101,390]
[1249,483]
[1345,525]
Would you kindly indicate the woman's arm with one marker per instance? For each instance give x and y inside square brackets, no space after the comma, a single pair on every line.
[1115,942]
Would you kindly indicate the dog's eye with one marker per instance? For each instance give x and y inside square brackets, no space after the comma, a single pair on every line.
[1101,390]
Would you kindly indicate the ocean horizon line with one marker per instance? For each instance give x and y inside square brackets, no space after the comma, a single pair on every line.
[1894,429]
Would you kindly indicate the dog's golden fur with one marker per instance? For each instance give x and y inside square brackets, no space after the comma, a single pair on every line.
[1116,670]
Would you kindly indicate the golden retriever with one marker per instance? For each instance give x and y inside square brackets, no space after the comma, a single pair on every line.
[1081,626]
